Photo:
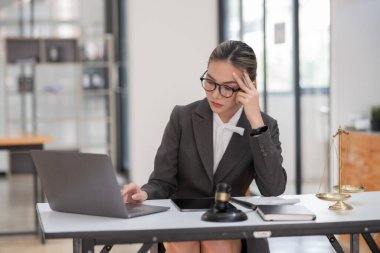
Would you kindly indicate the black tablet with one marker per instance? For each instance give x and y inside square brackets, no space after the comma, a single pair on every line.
[193,204]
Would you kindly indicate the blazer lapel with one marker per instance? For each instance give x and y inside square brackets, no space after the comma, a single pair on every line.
[203,128]
[235,151]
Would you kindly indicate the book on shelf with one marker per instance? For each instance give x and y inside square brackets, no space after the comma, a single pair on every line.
[285,213]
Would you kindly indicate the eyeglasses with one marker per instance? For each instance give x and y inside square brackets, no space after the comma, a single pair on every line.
[210,85]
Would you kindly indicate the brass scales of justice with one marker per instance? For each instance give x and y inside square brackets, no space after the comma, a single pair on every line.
[341,192]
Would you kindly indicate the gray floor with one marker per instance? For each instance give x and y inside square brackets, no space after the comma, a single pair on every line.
[16,214]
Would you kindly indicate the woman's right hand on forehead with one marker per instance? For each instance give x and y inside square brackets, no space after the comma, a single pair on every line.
[132,193]
[248,96]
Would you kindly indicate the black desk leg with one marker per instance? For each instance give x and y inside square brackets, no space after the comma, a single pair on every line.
[37,229]
[35,198]
[334,242]
[371,243]
[83,246]
[145,247]
[106,248]
[354,243]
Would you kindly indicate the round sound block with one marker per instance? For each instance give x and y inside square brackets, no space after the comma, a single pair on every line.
[227,216]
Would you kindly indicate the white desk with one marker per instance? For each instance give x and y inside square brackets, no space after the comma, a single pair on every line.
[173,225]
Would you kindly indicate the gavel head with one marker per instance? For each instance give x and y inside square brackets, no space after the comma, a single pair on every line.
[222,196]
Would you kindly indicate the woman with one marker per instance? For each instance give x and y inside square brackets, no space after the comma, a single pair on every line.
[223,138]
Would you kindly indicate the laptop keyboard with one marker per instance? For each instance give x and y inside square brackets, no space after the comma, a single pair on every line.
[134,206]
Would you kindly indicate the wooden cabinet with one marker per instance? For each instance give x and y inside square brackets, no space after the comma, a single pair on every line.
[361,159]
[361,166]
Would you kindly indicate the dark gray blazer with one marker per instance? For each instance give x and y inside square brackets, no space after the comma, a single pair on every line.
[184,162]
[183,165]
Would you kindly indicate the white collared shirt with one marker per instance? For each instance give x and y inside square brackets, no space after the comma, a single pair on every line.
[222,135]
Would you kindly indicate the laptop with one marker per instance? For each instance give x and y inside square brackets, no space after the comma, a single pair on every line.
[84,183]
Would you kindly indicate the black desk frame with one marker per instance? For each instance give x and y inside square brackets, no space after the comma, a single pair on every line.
[85,242]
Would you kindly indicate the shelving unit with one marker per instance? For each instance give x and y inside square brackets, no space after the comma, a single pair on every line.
[64,88]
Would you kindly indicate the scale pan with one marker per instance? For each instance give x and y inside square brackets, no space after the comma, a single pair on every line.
[347,188]
[332,196]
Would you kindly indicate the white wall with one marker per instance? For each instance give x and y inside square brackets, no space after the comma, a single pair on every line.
[355,58]
[169,43]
